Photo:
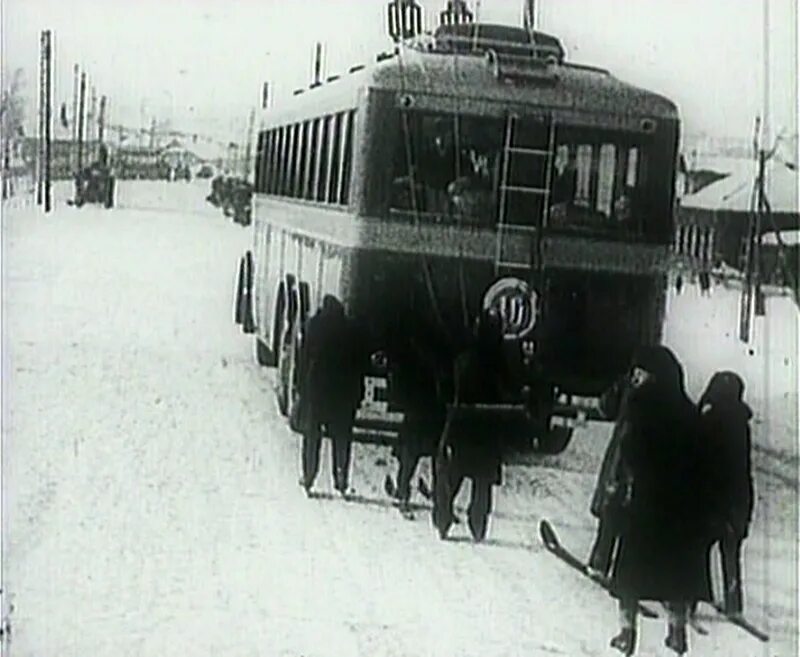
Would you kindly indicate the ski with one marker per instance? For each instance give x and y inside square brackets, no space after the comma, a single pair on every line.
[551,542]
[697,627]
[742,623]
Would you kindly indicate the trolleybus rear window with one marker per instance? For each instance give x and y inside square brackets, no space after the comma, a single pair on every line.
[451,168]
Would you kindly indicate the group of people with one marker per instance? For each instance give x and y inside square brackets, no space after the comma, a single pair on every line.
[675,480]
[463,443]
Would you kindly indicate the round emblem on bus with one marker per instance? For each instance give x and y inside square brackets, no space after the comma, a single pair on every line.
[515,302]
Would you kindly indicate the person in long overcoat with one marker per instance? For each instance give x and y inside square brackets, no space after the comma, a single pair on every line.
[469,446]
[331,388]
[418,387]
[725,426]
[609,493]
[663,534]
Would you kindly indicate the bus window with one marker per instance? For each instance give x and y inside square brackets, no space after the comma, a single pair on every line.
[335,155]
[446,166]
[347,158]
[313,157]
[322,178]
[302,154]
[598,182]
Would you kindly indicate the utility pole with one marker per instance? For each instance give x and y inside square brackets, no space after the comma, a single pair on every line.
[48,115]
[248,146]
[81,112]
[101,120]
[74,125]
[40,131]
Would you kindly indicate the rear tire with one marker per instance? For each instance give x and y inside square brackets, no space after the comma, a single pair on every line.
[555,440]
[287,393]
[238,314]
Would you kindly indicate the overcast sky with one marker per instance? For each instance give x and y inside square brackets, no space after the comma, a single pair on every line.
[200,63]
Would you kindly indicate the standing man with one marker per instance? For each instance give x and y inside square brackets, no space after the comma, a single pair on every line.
[469,447]
[331,388]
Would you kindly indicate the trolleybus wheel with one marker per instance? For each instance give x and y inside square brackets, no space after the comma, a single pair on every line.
[248,321]
[287,376]
[238,313]
[554,440]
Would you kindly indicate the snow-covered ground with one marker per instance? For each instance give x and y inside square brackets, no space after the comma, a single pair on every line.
[151,504]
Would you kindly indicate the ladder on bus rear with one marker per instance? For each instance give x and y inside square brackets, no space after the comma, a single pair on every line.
[524,253]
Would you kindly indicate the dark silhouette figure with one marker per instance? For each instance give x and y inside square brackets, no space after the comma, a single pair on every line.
[417,382]
[664,527]
[331,389]
[469,447]
[678,284]
[725,425]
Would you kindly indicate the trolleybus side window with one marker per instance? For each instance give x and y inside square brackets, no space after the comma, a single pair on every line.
[335,159]
[300,168]
[308,166]
[266,169]
[322,179]
[284,158]
[259,160]
[347,157]
[295,156]
[313,160]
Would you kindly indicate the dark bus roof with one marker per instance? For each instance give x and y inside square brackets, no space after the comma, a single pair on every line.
[471,76]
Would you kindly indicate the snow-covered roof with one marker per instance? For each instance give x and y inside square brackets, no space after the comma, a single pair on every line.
[788,237]
[734,191]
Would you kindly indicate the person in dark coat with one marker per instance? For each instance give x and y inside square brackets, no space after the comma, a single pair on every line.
[664,530]
[417,383]
[331,389]
[608,497]
[469,446]
[725,426]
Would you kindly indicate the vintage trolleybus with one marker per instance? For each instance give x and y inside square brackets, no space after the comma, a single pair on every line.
[472,168]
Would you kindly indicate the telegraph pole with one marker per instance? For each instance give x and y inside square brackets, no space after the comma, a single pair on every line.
[249,144]
[74,126]
[40,131]
[81,111]
[101,120]
[48,115]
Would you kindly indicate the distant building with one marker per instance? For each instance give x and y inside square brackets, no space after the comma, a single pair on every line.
[712,223]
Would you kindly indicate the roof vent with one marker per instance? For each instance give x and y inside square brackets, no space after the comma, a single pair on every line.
[471,38]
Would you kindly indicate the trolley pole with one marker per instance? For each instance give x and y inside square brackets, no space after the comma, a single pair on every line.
[48,116]
[81,110]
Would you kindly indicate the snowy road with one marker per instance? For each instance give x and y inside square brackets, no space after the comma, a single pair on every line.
[151,502]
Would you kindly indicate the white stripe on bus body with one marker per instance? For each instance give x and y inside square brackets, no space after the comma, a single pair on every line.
[338,227]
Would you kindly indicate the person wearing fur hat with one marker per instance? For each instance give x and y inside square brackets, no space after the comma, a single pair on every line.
[725,425]
[664,522]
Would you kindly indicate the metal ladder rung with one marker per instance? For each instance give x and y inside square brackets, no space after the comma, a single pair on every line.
[528,151]
[517,265]
[526,190]
[517,227]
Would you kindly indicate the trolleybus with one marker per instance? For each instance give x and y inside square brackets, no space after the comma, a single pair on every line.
[474,167]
